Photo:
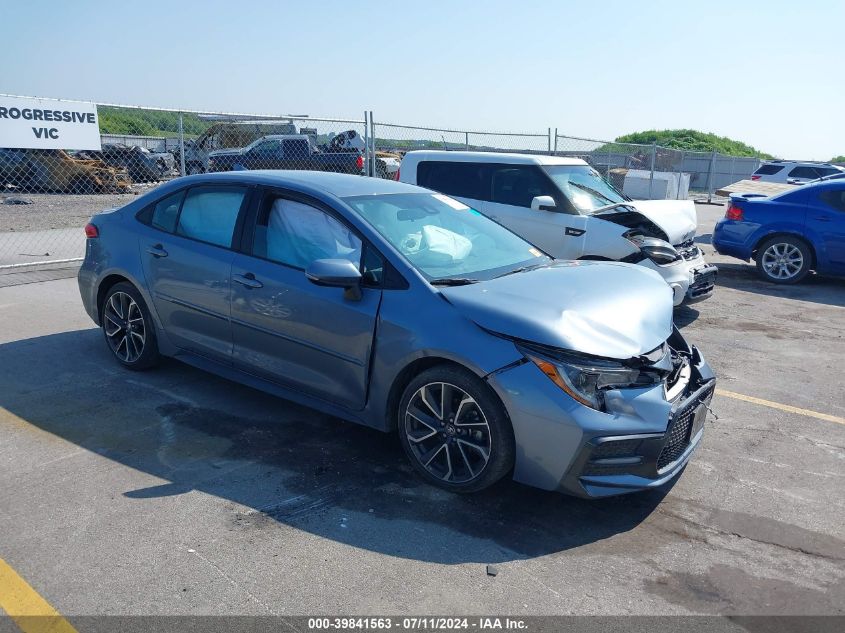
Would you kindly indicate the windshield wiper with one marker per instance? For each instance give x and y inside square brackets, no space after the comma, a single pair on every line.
[613,206]
[453,281]
[523,269]
[589,190]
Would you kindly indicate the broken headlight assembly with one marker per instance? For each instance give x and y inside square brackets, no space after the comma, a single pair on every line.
[586,379]
[659,251]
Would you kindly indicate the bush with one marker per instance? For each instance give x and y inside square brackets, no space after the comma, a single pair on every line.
[693,141]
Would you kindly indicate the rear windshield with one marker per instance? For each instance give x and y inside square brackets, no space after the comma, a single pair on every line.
[768,170]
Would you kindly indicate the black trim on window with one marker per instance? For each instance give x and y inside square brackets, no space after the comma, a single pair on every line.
[392,279]
[145,215]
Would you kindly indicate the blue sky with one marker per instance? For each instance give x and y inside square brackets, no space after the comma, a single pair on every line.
[767,73]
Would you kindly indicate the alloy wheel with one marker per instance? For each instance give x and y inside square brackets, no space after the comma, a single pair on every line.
[448,432]
[782,261]
[124,327]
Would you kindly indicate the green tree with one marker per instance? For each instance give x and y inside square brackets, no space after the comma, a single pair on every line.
[693,141]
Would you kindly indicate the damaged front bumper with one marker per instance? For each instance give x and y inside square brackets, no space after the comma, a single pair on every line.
[641,441]
[703,282]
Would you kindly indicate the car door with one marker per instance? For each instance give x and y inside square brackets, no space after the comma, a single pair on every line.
[187,259]
[296,154]
[467,182]
[314,339]
[826,219]
[513,187]
[266,155]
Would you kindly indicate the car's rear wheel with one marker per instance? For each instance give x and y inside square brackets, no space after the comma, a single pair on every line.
[784,259]
[454,430]
[128,327]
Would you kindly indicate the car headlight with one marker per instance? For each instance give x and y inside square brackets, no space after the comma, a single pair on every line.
[586,380]
[659,251]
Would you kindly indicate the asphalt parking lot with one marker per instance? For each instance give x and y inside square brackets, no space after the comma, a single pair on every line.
[176,492]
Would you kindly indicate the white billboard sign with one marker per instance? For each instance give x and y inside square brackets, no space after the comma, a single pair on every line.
[48,124]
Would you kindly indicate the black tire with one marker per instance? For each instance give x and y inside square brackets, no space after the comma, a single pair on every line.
[784,259]
[481,425]
[129,331]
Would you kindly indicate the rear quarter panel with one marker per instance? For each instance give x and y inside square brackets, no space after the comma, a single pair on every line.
[761,218]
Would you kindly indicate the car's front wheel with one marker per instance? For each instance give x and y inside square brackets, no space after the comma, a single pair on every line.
[128,327]
[454,430]
[784,259]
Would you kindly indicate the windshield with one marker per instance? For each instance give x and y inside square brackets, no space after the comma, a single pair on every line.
[445,239]
[583,186]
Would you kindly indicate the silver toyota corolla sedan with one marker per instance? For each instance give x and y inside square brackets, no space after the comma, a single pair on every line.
[402,309]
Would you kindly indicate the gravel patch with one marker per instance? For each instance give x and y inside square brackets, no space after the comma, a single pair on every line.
[44,211]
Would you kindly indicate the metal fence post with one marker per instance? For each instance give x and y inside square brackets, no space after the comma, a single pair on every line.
[680,175]
[651,177]
[181,146]
[466,140]
[367,137]
[710,175]
[607,169]
[554,152]
[372,158]
[550,140]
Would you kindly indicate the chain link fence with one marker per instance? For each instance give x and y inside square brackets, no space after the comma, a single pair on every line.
[47,196]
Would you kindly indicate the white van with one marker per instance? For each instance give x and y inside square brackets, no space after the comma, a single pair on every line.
[566,208]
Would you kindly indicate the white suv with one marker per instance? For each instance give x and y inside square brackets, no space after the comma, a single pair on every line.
[794,173]
[566,208]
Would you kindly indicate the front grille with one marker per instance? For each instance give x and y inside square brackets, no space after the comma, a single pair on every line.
[678,437]
[688,250]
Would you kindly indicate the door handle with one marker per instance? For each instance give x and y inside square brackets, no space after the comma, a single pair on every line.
[157,251]
[247,280]
[822,218]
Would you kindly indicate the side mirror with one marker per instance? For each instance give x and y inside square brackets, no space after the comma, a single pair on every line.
[336,273]
[543,203]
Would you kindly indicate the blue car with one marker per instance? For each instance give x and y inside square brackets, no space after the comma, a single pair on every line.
[788,235]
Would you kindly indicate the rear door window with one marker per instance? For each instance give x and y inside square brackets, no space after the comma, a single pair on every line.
[804,172]
[209,214]
[163,214]
[460,179]
[295,148]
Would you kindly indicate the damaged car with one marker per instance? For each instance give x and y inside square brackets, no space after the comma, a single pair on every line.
[141,164]
[565,207]
[407,311]
[57,171]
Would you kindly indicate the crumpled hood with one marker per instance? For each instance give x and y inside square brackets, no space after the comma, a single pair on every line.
[677,218]
[607,309]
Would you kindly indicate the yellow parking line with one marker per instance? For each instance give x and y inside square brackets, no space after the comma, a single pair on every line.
[31,612]
[782,407]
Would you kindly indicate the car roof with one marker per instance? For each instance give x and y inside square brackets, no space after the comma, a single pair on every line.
[281,136]
[801,163]
[493,157]
[339,185]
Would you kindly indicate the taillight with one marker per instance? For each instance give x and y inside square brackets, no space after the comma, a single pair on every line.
[360,162]
[753,177]
[733,213]
[91,230]
[397,175]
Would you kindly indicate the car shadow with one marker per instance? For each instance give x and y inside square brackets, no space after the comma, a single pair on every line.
[280,463]
[684,315]
[814,288]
